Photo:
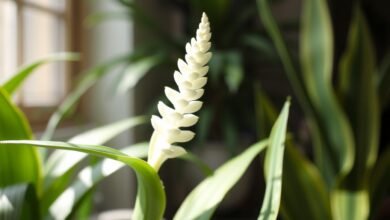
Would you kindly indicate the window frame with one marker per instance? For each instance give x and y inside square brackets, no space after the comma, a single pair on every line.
[39,115]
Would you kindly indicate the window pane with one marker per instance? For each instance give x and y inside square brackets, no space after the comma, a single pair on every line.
[43,35]
[8,39]
[53,4]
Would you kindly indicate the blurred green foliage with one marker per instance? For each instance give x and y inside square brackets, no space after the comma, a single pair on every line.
[344,118]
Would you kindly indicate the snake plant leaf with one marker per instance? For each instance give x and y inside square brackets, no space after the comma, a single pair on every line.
[274,166]
[379,183]
[87,80]
[18,164]
[19,201]
[150,188]
[316,56]
[61,164]
[291,67]
[303,188]
[87,179]
[359,95]
[199,204]
[301,179]
[15,81]
[350,204]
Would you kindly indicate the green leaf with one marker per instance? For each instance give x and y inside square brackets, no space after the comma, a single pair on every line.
[290,66]
[234,72]
[274,166]
[379,183]
[135,72]
[19,202]
[63,207]
[301,179]
[199,203]
[18,164]
[17,79]
[316,53]
[303,189]
[150,188]
[297,83]
[88,80]
[359,95]
[61,164]
[350,204]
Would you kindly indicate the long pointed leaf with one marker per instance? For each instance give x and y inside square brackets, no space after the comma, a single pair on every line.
[274,167]
[149,185]
[301,179]
[86,82]
[303,189]
[359,94]
[14,83]
[21,164]
[203,200]
[89,177]
[290,66]
[316,53]
[61,164]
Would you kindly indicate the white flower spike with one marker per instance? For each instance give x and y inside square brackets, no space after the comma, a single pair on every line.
[190,80]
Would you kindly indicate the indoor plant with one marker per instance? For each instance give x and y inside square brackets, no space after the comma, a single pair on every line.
[20,196]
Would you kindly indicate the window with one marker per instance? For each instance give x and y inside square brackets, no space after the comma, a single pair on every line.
[30,30]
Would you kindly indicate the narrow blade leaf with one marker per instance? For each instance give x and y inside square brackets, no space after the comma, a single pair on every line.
[316,53]
[61,164]
[14,83]
[303,189]
[150,189]
[86,82]
[359,94]
[274,167]
[89,177]
[199,203]
[290,66]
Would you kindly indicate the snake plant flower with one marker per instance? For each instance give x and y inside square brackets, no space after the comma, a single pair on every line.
[190,79]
